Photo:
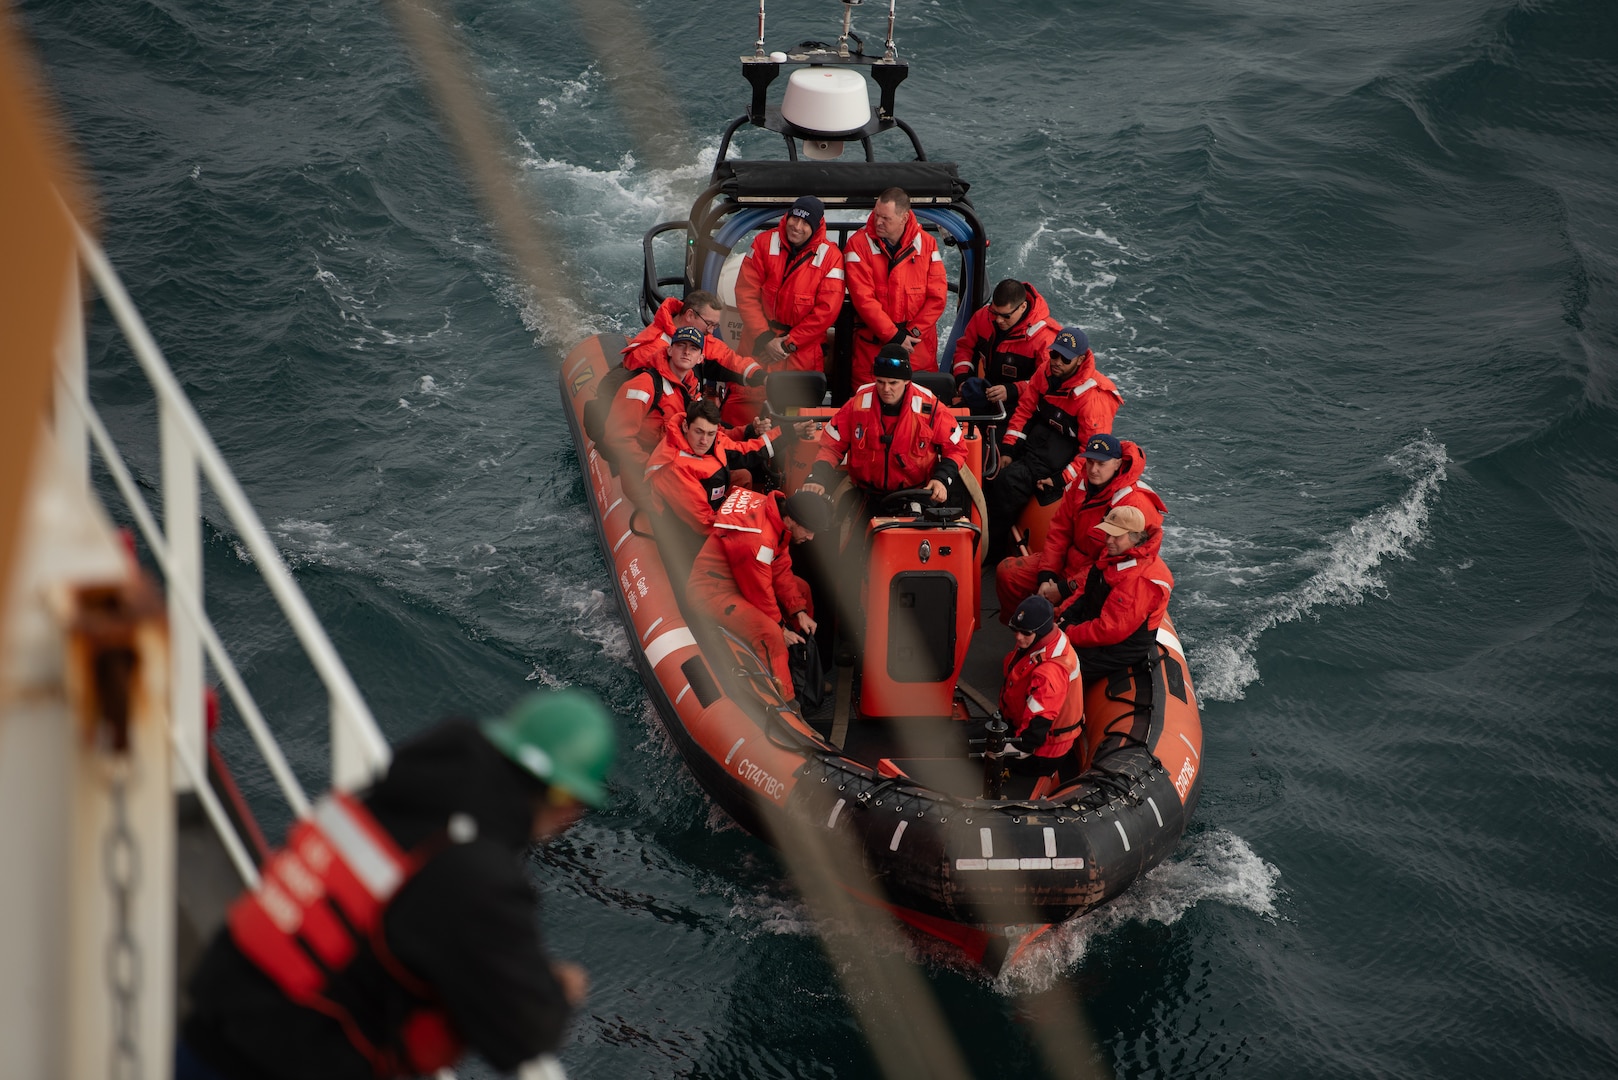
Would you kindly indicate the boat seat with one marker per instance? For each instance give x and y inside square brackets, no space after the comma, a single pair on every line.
[941,383]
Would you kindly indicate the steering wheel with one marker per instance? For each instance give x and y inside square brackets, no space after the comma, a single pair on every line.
[893,502]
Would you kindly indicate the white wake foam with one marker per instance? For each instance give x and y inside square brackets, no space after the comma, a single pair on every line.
[1216,866]
[1344,572]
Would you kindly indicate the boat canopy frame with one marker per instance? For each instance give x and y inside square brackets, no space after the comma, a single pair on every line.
[743,184]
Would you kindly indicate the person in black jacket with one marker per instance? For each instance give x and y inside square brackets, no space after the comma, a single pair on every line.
[298,985]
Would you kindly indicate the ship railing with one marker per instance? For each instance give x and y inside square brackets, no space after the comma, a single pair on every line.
[358,749]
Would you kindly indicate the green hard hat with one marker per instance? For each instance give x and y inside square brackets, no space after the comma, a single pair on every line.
[564,737]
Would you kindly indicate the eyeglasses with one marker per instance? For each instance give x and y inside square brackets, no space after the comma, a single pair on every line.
[1007,316]
[708,324]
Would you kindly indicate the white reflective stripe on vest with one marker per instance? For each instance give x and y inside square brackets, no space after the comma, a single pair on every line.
[775,243]
[820,254]
[371,863]
[1086,385]
[638,395]
[835,275]
[765,555]
[1127,489]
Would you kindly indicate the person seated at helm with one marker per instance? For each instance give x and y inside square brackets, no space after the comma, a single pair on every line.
[1113,622]
[1111,477]
[1066,402]
[1041,697]
[789,292]
[1002,345]
[693,470]
[897,284]
[646,403]
[723,370]
[743,577]
[894,435]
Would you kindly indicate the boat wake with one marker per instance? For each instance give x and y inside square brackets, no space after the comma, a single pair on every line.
[605,211]
[1215,865]
[1342,573]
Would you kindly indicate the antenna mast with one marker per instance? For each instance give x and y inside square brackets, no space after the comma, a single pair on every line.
[758,46]
[848,23]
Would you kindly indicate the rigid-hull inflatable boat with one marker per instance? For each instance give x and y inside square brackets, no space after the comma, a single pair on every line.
[883,767]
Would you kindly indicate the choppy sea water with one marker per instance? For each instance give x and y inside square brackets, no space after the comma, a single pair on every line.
[1353,267]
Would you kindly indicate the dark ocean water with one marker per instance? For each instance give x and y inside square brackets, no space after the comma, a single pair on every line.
[1355,268]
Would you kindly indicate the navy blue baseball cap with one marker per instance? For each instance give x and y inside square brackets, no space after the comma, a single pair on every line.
[1071,343]
[1103,447]
[688,335]
[1034,616]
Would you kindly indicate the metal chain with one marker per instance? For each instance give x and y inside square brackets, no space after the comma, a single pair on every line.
[120,865]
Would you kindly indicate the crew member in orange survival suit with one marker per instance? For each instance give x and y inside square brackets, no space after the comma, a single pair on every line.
[743,574]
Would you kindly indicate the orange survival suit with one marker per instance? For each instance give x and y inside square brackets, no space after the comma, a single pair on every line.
[743,577]
[1042,697]
[1006,357]
[1113,623]
[893,291]
[894,448]
[1072,542]
[782,292]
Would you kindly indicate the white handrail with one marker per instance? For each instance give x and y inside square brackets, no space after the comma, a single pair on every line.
[179,589]
[348,707]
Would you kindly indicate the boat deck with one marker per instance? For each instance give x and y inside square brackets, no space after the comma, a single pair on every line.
[932,750]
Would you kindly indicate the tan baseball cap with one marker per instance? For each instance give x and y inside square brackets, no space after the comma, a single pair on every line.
[1123,519]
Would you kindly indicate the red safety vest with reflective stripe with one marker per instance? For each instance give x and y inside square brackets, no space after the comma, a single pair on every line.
[694,485]
[1042,695]
[318,907]
[646,403]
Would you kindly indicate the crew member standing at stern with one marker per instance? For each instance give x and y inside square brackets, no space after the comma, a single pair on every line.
[789,291]
[897,284]
[397,929]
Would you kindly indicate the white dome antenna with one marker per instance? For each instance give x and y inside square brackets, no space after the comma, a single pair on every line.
[831,103]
